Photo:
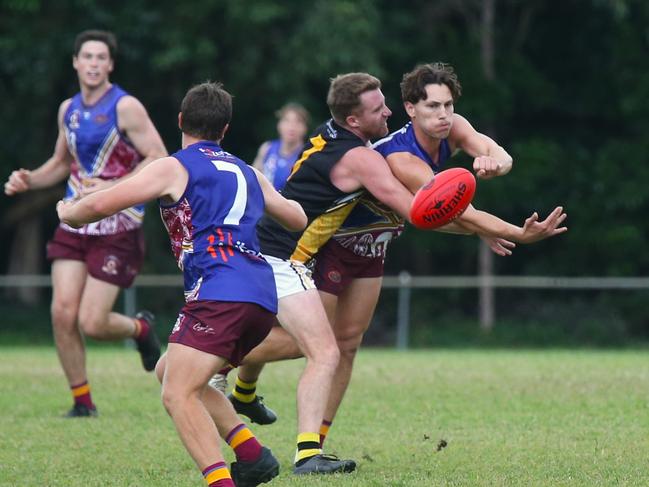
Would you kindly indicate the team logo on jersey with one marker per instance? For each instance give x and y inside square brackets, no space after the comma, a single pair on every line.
[74,120]
[111,265]
[101,119]
[213,153]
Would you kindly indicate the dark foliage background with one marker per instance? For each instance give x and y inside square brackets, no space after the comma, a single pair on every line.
[564,86]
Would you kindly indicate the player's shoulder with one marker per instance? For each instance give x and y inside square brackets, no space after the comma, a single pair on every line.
[264,147]
[65,104]
[460,127]
[63,107]
[129,103]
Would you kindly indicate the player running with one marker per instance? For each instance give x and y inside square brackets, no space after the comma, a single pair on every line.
[210,202]
[104,136]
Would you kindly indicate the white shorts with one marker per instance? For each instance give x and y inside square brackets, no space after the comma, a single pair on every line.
[291,277]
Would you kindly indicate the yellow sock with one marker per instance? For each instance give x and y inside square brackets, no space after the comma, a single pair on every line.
[244,391]
[308,445]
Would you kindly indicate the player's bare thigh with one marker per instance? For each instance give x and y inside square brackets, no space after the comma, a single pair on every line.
[355,308]
[304,317]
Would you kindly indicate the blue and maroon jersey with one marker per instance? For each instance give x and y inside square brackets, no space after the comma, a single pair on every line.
[100,150]
[277,167]
[371,225]
[212,229]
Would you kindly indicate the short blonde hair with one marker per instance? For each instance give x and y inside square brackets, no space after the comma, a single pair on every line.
[345,92]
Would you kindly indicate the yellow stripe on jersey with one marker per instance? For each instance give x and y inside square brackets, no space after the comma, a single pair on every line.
[104,152]
[319,232]
[134,214]
[318,144]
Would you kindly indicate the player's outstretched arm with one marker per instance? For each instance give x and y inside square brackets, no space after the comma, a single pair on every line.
[490,159]
[53,171]
[488,225]
[535,230]
[164,178]
[287,213]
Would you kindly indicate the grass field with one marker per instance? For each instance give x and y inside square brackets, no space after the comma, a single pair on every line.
[508,418]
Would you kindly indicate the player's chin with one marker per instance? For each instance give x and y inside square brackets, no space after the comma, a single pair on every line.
[382,131]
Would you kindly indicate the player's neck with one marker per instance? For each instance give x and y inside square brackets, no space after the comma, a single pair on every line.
[92,94]
[188,140]
[287,148]
[357,132]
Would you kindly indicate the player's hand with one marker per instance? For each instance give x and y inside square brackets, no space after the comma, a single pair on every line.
[62,210]
[92,185]
[534,230]
[499,246]
[18,182]
[486,167]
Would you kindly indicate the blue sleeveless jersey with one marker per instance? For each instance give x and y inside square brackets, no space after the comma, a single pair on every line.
[277,167]
[212,229]
[100,150]
[371,225]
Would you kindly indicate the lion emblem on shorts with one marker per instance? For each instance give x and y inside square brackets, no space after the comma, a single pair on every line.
[111,265]
[334,276]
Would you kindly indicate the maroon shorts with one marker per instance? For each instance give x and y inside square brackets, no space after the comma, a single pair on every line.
[226,329]
[115,259]
[335,266]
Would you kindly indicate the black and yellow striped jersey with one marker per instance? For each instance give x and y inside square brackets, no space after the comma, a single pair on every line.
[309,184]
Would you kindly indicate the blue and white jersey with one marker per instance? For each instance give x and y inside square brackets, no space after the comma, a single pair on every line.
[100,150]
[212,229]
[276,166]
[371,225]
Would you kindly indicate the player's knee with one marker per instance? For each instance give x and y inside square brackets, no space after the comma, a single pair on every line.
[349,345]
[160,368]
[327,355]
[170,398]
[348,350]
[64,315]
[93,325]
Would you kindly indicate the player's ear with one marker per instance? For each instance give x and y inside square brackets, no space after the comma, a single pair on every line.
[352,121]
[74,61]
[180,120]
[225,129]
[410,108]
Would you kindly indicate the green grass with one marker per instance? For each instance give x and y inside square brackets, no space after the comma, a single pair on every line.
[556,418]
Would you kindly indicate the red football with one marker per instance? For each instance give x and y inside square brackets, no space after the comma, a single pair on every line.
[443,199]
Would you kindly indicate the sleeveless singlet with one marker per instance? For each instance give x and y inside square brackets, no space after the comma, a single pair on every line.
[309,184]
[100,150]
[212,229]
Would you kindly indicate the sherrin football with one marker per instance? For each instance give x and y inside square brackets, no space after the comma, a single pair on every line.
[443,199]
